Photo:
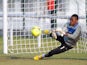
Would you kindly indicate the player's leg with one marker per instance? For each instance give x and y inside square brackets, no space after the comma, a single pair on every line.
[53,20]
[53,23]
[54,12]
[58,50]
[64,47]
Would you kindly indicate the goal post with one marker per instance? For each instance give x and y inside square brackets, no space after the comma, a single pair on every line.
[5,27]
[20,16]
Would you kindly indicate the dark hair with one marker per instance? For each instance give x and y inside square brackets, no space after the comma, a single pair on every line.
[75,15]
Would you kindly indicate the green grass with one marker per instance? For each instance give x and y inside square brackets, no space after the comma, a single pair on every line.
[67,58]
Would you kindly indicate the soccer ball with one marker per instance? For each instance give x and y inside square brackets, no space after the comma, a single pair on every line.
[36,31]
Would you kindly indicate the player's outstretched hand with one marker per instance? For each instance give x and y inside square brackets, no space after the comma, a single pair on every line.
[61,31]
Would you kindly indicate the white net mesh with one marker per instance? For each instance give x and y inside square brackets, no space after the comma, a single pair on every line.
[47,14]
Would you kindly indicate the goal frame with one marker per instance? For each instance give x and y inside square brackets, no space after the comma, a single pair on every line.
[5,27]
[5,24]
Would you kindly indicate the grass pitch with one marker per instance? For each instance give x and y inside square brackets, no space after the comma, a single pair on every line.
[27,59]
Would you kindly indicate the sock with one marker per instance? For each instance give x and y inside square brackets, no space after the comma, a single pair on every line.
[43,55]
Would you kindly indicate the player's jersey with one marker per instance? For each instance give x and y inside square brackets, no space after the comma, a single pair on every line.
[51,4]
[74,34]
[71,29]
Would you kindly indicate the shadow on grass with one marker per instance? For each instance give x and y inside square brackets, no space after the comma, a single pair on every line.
[70,58]
[51,58]
[21,58]
[65,56]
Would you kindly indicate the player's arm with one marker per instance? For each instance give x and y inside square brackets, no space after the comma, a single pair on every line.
[75,34]
[62,30]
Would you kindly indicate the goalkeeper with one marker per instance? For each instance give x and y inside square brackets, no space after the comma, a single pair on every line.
[71,35]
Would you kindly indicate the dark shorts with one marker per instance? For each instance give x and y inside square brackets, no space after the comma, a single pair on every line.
[61,40]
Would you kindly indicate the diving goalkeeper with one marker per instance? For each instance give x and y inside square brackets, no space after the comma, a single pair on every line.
[68,40]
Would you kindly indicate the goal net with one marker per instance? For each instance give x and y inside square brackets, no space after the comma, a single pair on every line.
[19,16]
